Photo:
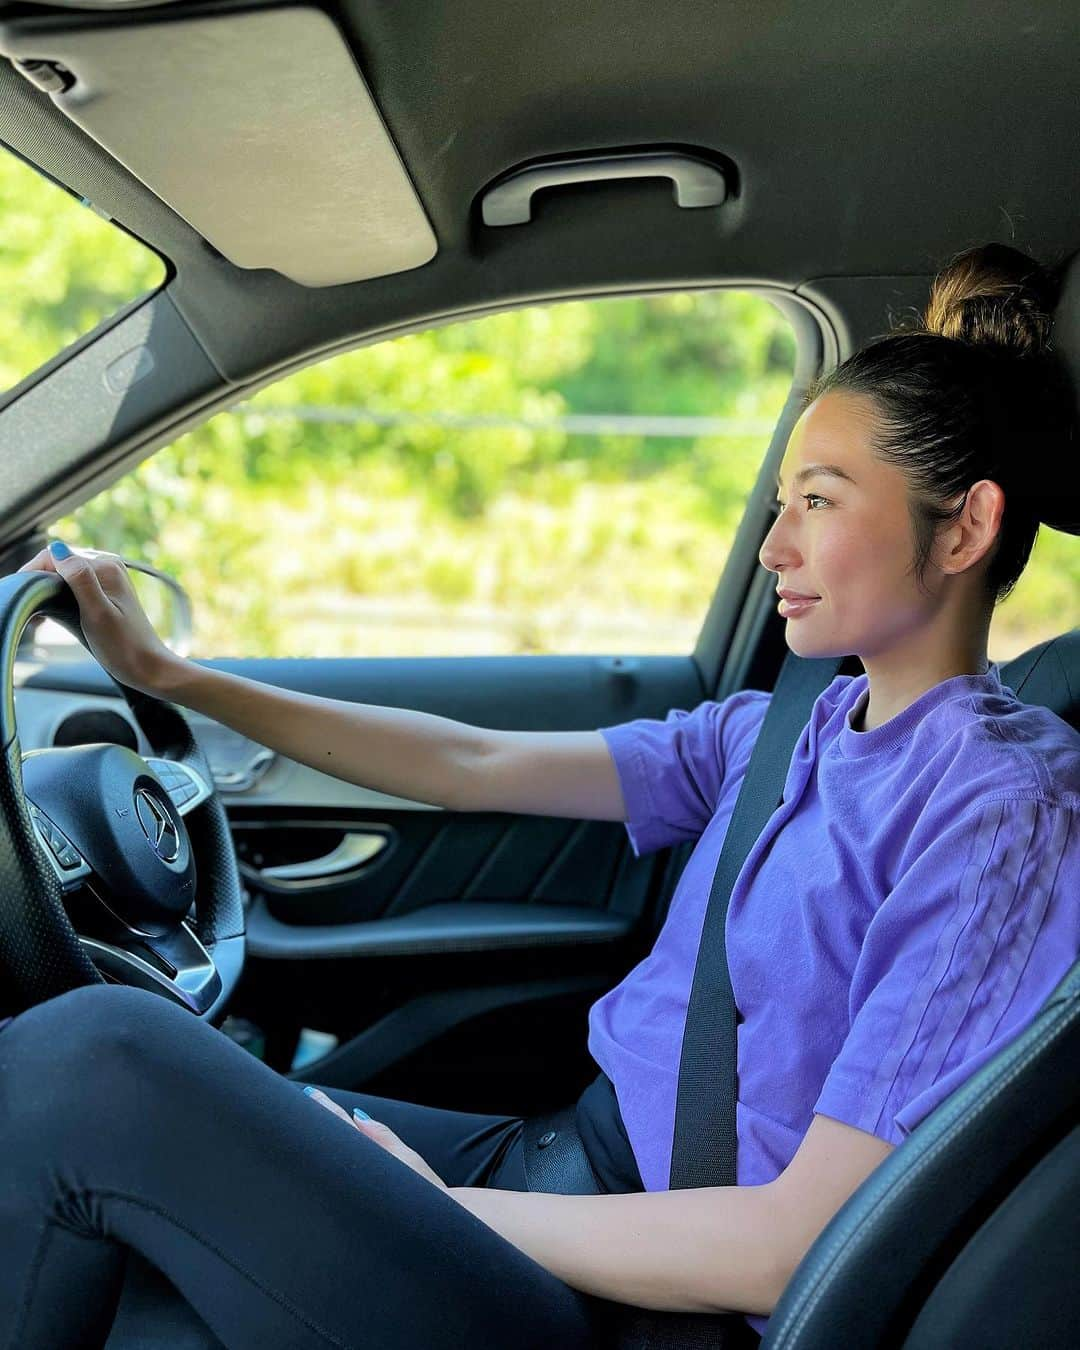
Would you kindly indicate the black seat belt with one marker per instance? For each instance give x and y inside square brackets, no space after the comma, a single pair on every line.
[703,1152]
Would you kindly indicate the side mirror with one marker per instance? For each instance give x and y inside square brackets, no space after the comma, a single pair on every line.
[167,605]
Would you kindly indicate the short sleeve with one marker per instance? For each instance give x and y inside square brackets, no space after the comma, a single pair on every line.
[672,771]
[957,961]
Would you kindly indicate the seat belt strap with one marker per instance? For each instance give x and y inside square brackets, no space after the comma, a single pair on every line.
[703,1150]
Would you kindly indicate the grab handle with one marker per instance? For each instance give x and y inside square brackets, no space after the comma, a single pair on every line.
[696,182]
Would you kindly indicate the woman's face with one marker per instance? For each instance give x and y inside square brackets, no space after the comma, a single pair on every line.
[847,540]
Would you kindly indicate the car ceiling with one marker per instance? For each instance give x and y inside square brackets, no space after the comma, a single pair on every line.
[865,141]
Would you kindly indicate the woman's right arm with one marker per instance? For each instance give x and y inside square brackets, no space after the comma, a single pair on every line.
[408,754]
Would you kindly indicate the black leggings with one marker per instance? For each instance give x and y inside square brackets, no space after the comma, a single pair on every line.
[127,1123]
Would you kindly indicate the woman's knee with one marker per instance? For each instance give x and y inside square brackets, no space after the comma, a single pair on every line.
[84,1029]
[100,1055]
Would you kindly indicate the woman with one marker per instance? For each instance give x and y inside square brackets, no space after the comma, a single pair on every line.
[904,915]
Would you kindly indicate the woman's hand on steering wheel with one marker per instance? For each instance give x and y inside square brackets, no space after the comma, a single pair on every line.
[116,627]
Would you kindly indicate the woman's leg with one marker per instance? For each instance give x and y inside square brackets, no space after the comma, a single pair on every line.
[125,1122]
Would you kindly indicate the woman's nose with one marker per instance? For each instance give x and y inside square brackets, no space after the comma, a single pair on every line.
[771,550]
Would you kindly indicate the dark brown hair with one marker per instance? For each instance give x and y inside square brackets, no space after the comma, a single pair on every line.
[970,390]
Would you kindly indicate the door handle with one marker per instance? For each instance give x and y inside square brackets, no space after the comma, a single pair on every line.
[354,852]
[240,780]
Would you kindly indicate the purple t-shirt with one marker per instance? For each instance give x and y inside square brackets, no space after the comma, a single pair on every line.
[902,917]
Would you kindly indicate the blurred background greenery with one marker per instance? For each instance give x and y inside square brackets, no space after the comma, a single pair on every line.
[465,490]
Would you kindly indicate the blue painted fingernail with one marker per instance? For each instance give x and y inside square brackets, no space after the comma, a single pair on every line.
[308,1091]
[59,549]
[360,1115]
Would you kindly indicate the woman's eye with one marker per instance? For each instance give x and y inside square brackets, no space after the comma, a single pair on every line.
[777,507]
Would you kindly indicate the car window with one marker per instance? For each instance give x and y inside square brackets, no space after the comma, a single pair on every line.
[562,478]
[64,269]
[565,478]
[1044,602]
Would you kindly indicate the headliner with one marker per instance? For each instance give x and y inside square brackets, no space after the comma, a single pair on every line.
[867,141]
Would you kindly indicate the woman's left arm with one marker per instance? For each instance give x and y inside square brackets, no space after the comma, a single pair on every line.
[712,1249]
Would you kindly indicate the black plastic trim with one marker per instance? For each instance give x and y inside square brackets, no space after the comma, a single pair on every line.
[456,926]
[390,1040]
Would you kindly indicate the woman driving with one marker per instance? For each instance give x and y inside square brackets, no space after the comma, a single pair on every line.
[903,916]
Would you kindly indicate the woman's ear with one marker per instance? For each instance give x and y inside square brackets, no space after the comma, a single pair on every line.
[973,533]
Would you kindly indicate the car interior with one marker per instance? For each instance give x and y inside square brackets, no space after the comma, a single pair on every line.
[321,178]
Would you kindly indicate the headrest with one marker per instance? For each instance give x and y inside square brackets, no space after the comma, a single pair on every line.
[1066,336]
[1049,673]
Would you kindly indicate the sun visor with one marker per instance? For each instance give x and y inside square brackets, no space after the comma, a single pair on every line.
[256,127]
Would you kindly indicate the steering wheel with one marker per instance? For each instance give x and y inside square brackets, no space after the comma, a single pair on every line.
[100,849]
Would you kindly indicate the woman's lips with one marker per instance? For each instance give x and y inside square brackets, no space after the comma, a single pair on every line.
[791,609]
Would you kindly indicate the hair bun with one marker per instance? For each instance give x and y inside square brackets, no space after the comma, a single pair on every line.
[994,295]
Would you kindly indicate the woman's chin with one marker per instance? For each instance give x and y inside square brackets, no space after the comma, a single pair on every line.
[813,646]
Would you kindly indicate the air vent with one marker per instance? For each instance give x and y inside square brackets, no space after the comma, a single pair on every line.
[92,726]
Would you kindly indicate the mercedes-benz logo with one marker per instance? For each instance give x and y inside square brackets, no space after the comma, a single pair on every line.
[157,826]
